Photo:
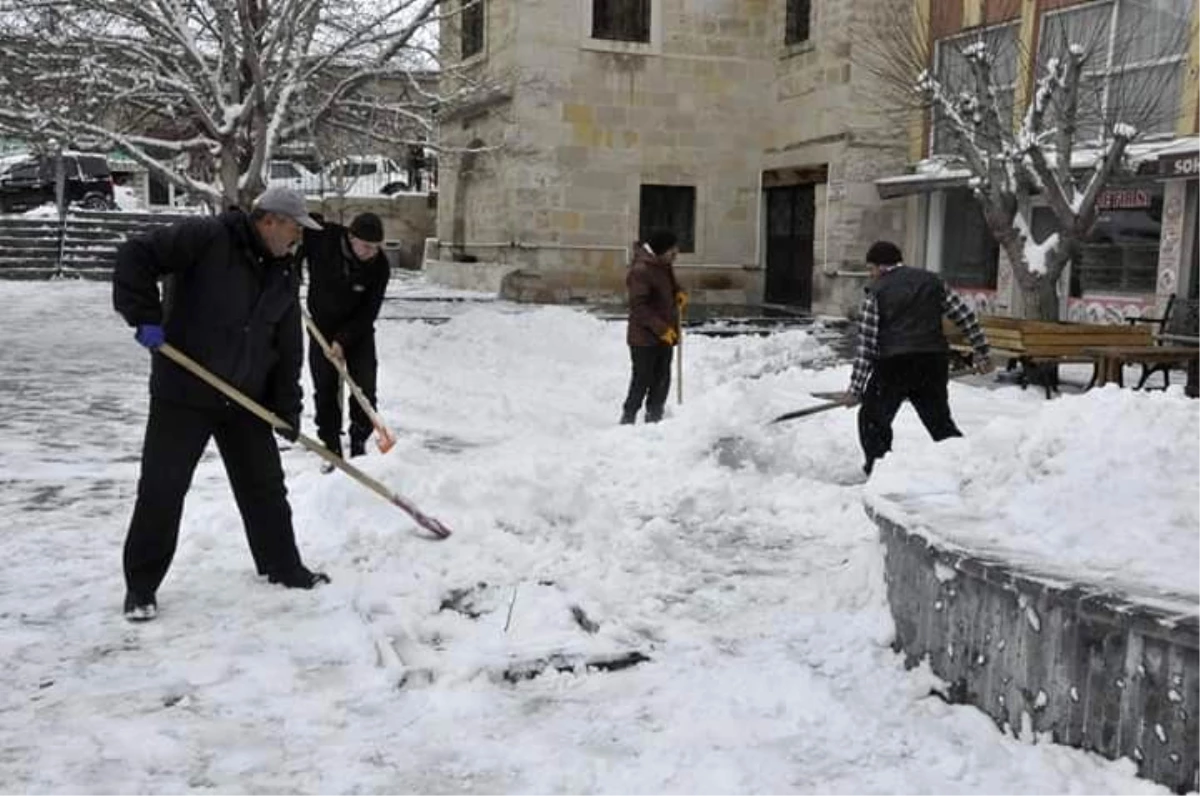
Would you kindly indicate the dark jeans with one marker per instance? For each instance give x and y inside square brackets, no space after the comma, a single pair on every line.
[650,382]
[176,436]
[361,364]
[920,378]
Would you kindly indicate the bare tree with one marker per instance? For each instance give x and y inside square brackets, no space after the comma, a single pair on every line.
[1105,75]
[203,93]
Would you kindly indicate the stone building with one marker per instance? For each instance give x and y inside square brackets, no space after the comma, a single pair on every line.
[741,124]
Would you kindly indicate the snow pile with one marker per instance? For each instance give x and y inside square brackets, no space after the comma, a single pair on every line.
[1100,488]
[126,198]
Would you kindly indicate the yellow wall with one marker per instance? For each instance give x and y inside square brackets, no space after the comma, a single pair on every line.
[1191,84]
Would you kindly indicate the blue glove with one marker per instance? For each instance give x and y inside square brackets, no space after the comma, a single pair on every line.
[150,335]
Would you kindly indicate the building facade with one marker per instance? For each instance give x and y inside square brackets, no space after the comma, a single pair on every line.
[740,124]
[1142,248]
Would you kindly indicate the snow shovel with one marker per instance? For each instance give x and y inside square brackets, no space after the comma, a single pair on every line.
[385,440]
[199,371]
[834,403]
[812,410]
[679,369]
[679,356]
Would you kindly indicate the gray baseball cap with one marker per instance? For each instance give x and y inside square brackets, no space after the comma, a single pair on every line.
[286,202]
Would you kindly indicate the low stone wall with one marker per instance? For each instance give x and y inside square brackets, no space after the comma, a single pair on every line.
[557,275]
[482,276]
[408,219]
[1086,668]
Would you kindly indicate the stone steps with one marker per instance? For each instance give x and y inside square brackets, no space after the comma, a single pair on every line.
[38,248]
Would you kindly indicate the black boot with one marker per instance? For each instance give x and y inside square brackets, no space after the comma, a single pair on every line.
[336,449]
[301,577]
[358,447]
[140,607]
[628,418]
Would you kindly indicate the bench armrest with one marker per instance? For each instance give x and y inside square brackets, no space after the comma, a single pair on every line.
[1181,339]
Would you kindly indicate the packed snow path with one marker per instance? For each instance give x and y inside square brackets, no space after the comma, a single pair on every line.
[757,591]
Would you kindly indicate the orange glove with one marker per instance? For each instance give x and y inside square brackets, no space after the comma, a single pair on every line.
[670,336]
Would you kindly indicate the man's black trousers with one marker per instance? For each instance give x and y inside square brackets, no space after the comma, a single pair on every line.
[361,364]
[920,378]
[176,436]
[650,381]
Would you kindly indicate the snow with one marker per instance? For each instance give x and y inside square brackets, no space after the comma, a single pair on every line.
[1102,489]
[1036,254]
[1123,130]
[975,51]
[753,582]
[127,198]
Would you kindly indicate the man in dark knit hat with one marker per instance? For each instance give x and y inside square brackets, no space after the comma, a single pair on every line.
[348,275]
[903,353]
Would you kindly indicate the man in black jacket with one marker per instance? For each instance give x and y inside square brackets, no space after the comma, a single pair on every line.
[348,276]
[903,353]
[232,304]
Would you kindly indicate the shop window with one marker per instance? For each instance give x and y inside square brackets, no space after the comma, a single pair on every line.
[970,255]
[1121,253]
[670,207]
[954,73]
[1137,59]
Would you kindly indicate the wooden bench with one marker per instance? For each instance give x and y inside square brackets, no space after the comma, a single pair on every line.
[1111,361]
[1039,347]
[1179,326]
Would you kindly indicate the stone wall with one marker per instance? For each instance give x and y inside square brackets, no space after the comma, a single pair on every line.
[408,219]
[1050,660]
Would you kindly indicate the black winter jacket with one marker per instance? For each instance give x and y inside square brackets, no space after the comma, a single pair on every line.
[230,305]
[344,293]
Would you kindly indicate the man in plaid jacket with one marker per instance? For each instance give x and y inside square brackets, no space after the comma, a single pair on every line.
[903,353]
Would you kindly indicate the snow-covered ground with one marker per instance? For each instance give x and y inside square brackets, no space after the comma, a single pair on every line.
[752,581]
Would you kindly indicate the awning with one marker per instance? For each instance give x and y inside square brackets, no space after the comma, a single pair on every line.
[909,184]
[1180,161]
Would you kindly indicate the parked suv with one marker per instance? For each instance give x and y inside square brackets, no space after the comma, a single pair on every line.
[29,183]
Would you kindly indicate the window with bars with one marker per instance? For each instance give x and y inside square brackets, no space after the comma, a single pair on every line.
[670,207]
[799,21]
[957,79]
[621,20]
[1121,252]
[1135,60]
[472,28]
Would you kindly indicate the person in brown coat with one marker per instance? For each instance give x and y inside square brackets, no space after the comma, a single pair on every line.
[655,306]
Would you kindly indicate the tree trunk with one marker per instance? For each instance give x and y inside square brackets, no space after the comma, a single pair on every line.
[1039,299]
[229,173]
